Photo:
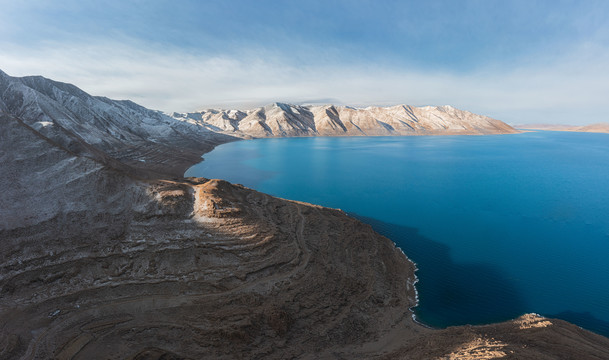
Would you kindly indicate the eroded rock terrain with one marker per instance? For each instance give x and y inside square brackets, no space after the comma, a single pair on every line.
[108,264]
[106,256]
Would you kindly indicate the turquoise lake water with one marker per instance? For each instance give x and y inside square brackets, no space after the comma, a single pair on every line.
[498,225]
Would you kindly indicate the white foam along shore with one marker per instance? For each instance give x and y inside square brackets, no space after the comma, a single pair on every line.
[413,284]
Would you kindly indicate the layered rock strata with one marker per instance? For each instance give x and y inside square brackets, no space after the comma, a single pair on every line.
[101,263]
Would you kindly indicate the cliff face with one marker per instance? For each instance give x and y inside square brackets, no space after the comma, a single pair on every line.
[281,120]
[106,256]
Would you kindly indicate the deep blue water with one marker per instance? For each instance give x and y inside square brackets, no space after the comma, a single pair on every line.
[498,225]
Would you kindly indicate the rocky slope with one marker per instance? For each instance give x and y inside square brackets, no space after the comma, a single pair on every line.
[105,256]
[280,120]
[105,266]
[120,134]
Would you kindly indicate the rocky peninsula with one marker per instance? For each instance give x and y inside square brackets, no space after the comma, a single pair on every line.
[106,251]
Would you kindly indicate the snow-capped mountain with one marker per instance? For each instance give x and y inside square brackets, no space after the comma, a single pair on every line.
[281,120]
[117,132]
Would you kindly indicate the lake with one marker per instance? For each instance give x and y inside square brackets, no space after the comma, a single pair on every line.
[498,225]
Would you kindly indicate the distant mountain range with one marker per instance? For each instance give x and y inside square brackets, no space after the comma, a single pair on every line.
[122,133]
[282,120]
[594,128]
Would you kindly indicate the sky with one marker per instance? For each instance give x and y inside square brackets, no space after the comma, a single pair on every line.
[517,61]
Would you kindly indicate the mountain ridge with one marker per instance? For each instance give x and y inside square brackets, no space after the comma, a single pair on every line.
[282,120]
[119,132]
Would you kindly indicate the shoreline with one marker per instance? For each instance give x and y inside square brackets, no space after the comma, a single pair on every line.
[415,278]
[413,282]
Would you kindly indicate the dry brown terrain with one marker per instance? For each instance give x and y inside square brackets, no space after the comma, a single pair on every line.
[108,266]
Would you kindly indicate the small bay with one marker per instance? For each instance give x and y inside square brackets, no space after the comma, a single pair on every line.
[498,225]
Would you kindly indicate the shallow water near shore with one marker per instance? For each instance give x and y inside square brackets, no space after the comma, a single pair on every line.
[498,225]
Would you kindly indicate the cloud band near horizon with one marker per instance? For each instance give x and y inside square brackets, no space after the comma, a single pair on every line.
[566,91]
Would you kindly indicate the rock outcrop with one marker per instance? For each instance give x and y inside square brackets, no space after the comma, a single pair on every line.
[104,256]
[527,337]
[282,120]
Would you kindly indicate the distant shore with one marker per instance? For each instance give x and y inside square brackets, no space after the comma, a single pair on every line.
[592,128]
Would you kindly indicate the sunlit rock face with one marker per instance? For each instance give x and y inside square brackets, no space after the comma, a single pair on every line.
[281,120]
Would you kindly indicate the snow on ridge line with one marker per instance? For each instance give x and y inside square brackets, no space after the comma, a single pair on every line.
[280,119]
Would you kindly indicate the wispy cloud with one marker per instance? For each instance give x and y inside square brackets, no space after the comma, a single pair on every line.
[568,88]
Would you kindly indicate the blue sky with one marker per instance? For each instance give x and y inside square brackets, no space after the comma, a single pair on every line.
[519,61]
